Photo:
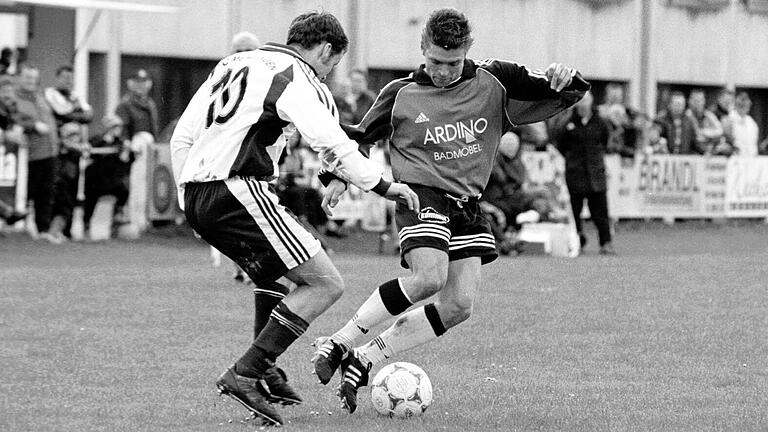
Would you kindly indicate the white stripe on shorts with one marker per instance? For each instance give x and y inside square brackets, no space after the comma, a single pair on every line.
[483,240]
[425,230]
[291,241]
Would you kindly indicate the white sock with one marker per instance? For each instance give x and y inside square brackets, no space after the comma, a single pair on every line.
[410,330]
[379,307]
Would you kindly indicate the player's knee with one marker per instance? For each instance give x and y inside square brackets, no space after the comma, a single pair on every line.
[335,288]
[429,282]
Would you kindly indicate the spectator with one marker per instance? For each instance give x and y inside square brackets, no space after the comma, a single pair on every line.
[357,96]
[137,110]
[622,121]
[708,130]
[40,130]
[743,126]
[656,143]
[72,148]
[11,137]
[67,107]
[533,136]
[583,142]
[245,41]
[678,129]
[508,199]
[724,104]
[109,171]
[8,58]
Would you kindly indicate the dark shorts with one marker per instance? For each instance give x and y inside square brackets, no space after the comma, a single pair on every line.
[242,219]
[459,229]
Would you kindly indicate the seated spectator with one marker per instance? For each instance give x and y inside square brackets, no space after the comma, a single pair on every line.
[743,127]
[508,200]
[109,171]
[677,128]
[73,147]
[708,130]
[533,137]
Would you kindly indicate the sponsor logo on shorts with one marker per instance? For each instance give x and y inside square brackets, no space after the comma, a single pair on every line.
[429,214]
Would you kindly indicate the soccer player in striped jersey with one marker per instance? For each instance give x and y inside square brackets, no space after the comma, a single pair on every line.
[225,151]
[444,123]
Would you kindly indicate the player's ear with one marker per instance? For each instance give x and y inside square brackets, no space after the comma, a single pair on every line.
[327,51]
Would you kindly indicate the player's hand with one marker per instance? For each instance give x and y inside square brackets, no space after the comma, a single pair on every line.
[559,76]
[331,195]
[402,193]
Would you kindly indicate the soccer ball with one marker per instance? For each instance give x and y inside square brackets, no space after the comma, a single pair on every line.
[401,390]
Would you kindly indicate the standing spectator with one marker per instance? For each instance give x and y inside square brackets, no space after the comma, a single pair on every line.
[72,148]
[109,171]
[358,97]
[70,112]
[67,107]
[709,131]
[743,126]
[40,130]
[622,121]
[11,137]
[137,110]
[678,129]
[583,142]
[724,104]
[244,41]
[655,142]
[8,58]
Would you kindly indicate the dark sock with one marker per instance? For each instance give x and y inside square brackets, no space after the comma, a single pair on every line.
[393,297]
[434,319]
[266,296]
[282,329]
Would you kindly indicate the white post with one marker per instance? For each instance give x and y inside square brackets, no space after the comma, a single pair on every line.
[22,173]
[113,60]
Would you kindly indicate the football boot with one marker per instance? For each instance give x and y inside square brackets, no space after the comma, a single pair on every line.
[250,393]
[354,374]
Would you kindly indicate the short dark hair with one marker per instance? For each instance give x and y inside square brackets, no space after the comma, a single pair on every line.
[447,28]
[312,28]
[677,93]
[62,69]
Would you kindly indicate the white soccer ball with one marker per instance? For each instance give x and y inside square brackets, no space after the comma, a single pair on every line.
[401,390]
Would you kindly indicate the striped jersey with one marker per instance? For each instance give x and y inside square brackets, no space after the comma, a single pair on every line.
[238,122]
[447,137]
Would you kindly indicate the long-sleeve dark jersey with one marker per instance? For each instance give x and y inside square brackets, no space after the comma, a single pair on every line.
[448,137]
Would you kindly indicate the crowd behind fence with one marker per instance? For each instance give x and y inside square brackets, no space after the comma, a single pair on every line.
[695,159]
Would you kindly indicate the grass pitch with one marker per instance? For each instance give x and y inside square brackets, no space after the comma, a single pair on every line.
[129,336]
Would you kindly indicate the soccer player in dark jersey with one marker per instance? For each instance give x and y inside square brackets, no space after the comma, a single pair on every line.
[225,151]
[444,123]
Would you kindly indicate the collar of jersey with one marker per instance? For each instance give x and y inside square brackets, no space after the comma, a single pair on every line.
[285,49]
[469,71]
